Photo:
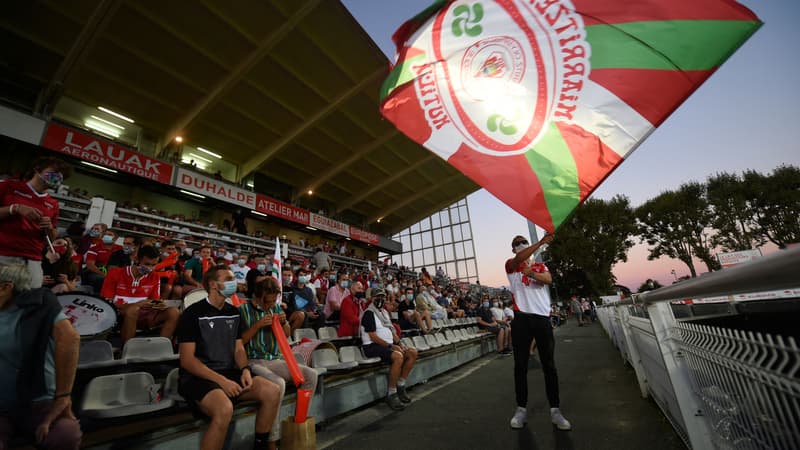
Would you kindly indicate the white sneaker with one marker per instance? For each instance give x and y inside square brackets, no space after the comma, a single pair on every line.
[520,418]
[558,420]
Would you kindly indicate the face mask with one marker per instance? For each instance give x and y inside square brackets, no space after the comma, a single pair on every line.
[128,249]
[360,295]
[378,302]
[94,233]
[345,284]
[229,289]
[60,249]
[188,251]
[241,262]
[520,247]
[389,278]
[143,270]
[164,254]
[409,296]
[287,281]
[485,304]
[196,256]
[261,267]
[303,279]
[496,305]
[158,245]
[332,278]
[108,239]
[52,179]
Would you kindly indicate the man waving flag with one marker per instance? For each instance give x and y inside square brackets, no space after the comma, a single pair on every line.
[538,101]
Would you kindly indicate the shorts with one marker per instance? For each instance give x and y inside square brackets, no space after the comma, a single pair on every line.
[493,329]
[373,350]
[194,389]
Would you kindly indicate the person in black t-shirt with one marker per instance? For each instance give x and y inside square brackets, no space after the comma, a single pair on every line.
[214,370]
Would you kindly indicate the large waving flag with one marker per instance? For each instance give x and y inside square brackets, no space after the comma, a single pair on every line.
[538,101]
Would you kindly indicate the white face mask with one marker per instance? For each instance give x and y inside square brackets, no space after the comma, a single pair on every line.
[520,248]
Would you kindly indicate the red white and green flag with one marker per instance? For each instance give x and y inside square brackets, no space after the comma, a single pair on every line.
[538,101]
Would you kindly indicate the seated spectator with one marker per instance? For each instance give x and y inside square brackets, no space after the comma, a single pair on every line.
[38,359]
[214,369]
[256,275]
[262,348]
[302,301]
[195,268]
[410,317]
[487,322]
[426,302]
[297,317]
[122,257]
[169,271]
[425,277]
[337,293]
[381,340]
[240,271]
[352,308]
[59,269]
[130,288]
[225,255]
[96,259]
[29,216]
[321,283]
[93,235]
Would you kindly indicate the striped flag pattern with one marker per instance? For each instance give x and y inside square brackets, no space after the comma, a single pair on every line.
[538,101]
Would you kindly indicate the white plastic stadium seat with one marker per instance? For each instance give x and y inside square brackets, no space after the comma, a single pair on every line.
[300,360]
[301,333]
[451,336]
[432,341]
[121,395]
[97,354]
[327,358]
[420,344]
[353,353]
[327,333]
[442,339]
[407,342]
[171,386]
[148,349]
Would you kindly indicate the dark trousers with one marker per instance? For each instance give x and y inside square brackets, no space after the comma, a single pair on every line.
[525,328]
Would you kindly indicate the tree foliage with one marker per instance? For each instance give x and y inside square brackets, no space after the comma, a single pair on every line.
[777,204]
[676,224]
[733,200]
[587,246]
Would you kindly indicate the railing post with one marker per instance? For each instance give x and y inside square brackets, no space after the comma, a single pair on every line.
[691,409]
[633,351]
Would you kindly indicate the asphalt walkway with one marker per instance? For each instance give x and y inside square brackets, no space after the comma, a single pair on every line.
[470,407]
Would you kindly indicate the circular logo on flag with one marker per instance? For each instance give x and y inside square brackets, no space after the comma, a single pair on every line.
[506,69]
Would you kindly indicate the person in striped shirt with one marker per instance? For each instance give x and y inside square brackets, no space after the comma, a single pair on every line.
[261,345]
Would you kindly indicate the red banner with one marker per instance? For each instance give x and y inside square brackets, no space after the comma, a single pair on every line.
[279,209]
[364,236]
[105,153]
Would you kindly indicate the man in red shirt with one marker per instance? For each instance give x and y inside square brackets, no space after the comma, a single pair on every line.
[97,257]
[130,288]
[28,215]
[352,307]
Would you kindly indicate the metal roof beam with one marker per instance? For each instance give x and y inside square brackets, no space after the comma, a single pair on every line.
[261,157]
[396,206]
[334,170]
[239,71]
[360,197]
[49,96]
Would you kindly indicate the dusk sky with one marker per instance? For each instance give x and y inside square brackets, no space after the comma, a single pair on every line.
[744,117]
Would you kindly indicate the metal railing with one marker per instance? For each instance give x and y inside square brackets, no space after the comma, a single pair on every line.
[720,387]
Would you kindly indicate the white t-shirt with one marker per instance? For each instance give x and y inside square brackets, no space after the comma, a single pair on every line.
[240,273]
[497,313]
[529,295]
[509,313]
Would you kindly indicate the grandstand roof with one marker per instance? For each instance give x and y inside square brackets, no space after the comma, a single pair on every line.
[286,89]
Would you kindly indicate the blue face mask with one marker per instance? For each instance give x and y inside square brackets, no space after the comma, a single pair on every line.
[261,267]
[52,179]
[108,239]
[409,296]
[229,289]
[345,284]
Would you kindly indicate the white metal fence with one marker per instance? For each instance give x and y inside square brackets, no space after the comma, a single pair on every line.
[721,388]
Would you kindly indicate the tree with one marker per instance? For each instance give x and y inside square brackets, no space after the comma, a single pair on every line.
[649,285]
[777,204]
[732,199]
[675,223]
[588,245]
